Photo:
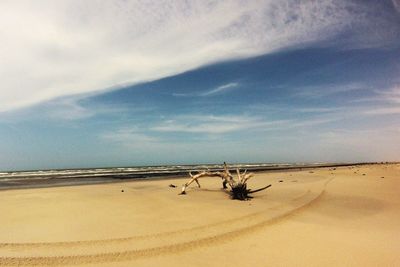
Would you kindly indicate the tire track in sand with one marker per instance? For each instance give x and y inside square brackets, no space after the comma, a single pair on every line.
[159,250]
[68,244]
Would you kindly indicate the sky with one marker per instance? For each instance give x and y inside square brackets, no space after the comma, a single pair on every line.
[127,83]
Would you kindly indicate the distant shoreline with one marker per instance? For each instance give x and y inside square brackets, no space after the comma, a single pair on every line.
[41,182]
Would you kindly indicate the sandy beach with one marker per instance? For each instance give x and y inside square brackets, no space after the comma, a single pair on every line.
[345,216]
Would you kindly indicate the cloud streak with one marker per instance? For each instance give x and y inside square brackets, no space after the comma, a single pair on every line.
[129,135]
[209,124]
[328,90]
[383,111]
[215,91]
[396,4]
[220,89]
[53,49]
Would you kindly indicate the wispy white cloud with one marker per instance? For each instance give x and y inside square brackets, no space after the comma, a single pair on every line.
[210,92]
[385,95]
[312,122]
[51,49]
[371,143]
[327,90]
[129,135]
[396,4]
[391,96]
[220,89]
[317,110]
[69,109]
[383,111]
[209,124]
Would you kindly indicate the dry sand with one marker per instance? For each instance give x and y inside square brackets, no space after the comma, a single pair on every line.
[322,217]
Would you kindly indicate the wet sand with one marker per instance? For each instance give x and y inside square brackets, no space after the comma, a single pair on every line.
[347,216]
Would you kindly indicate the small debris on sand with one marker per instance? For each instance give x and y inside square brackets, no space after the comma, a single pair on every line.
[172,185]
[280,181]
[363,173]
[383,177]
[122,190]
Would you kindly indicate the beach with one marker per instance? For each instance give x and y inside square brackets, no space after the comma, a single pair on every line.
[341,216]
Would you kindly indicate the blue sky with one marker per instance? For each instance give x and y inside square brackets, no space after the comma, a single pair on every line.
[119,83]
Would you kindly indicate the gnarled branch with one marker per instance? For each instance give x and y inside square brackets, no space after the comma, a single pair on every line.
[238,188]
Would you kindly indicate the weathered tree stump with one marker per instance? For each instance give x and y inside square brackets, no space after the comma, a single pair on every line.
[238,187]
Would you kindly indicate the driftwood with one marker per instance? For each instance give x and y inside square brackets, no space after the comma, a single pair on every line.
[238,187]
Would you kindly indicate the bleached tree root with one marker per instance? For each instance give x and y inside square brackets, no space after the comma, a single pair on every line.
[238,187]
